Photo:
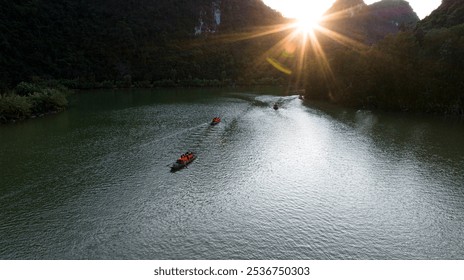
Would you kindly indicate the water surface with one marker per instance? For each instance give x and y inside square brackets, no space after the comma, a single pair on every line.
[302,182]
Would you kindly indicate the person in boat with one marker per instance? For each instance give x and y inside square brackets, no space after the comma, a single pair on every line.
[185,157]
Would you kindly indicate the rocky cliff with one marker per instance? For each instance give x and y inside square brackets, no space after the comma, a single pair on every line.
[369,23]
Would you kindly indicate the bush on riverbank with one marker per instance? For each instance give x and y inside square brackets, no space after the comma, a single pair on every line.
[14,107]
[31,100]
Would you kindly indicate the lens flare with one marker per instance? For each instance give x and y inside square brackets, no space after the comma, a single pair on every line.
[307,24]
[300,46]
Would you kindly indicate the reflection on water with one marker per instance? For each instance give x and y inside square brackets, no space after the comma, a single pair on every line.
[302,182]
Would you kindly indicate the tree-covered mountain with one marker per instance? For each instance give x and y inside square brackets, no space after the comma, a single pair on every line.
[149,40]
[414,69]
[450,13]
[389,17]
[113,39]
[351,7]
[369,23]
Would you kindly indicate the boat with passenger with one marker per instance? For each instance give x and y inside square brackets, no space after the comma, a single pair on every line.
[183,161]
[215,121]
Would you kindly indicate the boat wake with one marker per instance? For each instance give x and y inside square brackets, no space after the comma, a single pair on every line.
[174,134]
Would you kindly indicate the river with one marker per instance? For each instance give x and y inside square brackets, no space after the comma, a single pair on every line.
[300,182]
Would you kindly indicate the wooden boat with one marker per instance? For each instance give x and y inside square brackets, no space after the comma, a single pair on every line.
[183,161]
[215,121]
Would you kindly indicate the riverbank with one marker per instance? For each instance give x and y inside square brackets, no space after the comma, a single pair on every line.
[29,100]
[127,82]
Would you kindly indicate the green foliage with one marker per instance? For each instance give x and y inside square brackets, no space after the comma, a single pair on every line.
[14,107]
[26,89]
[399,73]
[164,83]
[143,84]
[87,42]
[450,13]
[32,100]
[51,100]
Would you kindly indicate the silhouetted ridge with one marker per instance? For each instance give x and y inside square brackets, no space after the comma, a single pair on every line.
[389,17]
[449,13]
[345,5]
[369,23]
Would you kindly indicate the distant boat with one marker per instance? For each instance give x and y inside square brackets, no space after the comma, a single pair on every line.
[183,161]
[215,121]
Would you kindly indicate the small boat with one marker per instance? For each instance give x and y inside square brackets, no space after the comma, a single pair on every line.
[183,161]
[275,106]
[215,121]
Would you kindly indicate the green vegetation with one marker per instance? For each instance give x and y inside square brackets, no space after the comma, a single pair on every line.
[31,100]
[411,71]
[119,43]
[419,69]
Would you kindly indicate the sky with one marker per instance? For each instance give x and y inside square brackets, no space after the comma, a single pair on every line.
[315,8]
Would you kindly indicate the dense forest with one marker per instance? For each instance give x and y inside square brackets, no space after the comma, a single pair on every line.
[128,41]
[390,59]
[420,68]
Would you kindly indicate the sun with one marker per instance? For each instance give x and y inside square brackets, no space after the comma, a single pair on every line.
[307,24]
[305,13]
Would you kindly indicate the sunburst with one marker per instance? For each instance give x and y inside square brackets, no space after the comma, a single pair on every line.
[289,55]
